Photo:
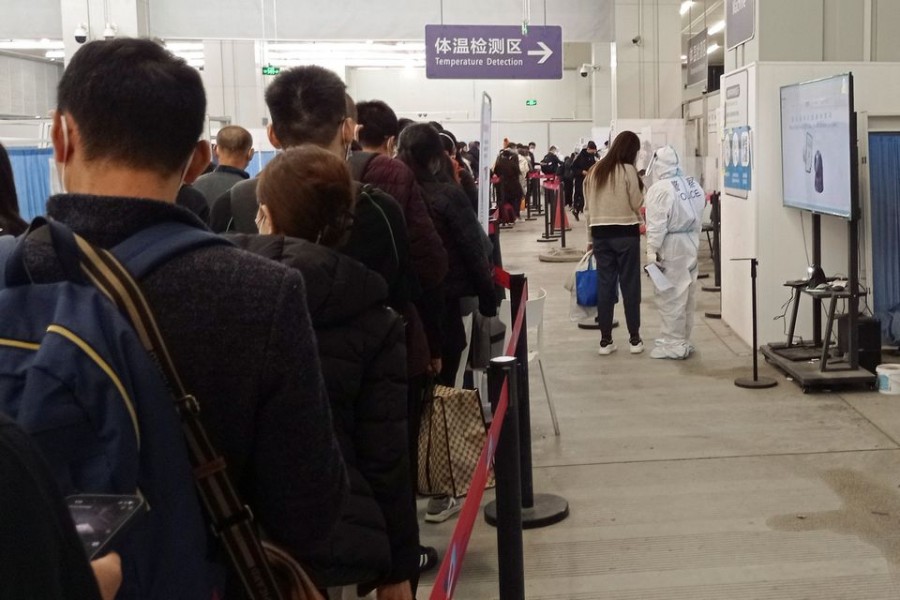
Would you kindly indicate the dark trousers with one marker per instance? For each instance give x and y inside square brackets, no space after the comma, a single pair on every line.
[618,257]
[568,190]
[578,205]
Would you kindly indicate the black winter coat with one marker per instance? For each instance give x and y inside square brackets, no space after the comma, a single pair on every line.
[362,352]
[239,332]
[469,272]
[427,257]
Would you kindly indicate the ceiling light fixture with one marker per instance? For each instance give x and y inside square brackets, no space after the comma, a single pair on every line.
[686,6]
[716,28]
[712,48]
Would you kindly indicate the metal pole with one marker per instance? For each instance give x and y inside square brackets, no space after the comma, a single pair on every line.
[757,382]
[510,559]
[518,284]
[753,263]
[817,262]
[538,510]
[562,219]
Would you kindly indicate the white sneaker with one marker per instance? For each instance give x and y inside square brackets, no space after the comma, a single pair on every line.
[607,348]
[636,348]
[442,508]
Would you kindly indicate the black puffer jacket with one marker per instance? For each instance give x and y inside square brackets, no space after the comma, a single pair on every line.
[469,270]
[363,359]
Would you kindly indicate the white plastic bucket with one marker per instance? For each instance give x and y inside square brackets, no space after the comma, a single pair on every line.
[888,379]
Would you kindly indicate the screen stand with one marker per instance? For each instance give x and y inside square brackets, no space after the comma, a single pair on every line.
[817,263]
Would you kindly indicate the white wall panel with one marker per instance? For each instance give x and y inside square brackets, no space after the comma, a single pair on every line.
[31,19]
[760,225]
[409,91]
[27,87]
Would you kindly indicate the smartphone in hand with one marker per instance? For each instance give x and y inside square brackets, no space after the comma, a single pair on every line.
[102,520]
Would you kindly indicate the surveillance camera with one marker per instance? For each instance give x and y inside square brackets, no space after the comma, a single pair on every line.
[584,70]
[81,34]
[636,40]
[110,31]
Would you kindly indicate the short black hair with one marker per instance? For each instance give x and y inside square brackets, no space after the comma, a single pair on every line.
[591,145]
[377,121]
[307,104]
[135,103]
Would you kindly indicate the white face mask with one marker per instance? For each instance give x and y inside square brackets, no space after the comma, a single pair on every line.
[187,166]
[61,166]
[262,223]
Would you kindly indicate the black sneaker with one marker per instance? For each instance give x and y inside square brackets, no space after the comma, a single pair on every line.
[428,558]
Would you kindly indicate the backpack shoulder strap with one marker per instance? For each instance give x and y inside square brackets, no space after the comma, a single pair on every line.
[151,247]
[359,162]
[231,519]
[7,246]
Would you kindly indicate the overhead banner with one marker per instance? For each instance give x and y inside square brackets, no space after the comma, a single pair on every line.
[698,59]
[740,22]
[493,52]
[485,162]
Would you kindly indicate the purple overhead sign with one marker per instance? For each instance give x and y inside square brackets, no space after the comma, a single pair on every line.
[493,52]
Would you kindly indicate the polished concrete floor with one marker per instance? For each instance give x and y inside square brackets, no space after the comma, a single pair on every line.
[682,486]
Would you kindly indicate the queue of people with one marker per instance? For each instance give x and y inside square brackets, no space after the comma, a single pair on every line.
[306,336]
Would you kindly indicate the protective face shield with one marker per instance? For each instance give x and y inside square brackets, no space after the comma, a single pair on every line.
[664,165]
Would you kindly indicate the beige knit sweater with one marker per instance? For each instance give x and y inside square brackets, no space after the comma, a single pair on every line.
[618,202]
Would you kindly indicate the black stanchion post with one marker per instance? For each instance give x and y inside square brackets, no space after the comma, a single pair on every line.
[510,553]
[548,235]
[538,510]
[562,219]
[528,199]
[717,242]
[757,382]
[517,293]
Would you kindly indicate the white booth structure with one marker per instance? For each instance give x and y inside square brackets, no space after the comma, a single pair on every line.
[759,226]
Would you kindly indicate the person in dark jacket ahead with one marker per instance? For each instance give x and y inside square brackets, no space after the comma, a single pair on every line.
[125,136]
[10,221]
[234,151]
[469,282]
[309,105]
[378,133]
[306,193]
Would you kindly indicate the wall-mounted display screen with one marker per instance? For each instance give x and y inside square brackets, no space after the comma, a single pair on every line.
[816,145]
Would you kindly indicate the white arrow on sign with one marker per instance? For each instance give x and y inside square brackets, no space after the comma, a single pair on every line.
[545,52]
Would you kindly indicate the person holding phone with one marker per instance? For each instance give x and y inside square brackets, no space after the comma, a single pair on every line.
[41,555]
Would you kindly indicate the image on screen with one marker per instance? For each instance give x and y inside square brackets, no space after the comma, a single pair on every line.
[816,145]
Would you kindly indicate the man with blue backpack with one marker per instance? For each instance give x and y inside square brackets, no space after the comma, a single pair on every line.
[150,357]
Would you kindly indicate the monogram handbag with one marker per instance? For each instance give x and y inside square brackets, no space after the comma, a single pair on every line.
[452,433]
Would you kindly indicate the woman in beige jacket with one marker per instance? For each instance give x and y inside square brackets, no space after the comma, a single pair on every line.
[613,198]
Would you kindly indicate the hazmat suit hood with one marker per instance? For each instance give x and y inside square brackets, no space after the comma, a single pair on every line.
[665,164]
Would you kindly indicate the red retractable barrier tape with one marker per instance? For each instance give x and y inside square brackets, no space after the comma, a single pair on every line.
[448,575]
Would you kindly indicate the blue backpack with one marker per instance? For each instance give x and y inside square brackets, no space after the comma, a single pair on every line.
[75,374]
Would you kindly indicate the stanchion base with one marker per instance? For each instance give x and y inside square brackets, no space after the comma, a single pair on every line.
[711,288]
[561,255]
[713,314]
[703,276]
[548,239]
[755,384]
[547,510]
[531,218]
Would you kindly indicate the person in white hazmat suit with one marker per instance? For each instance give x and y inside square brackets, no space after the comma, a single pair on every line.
[674,206]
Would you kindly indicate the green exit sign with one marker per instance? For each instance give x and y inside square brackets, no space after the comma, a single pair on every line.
[531,103]
[271,70]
